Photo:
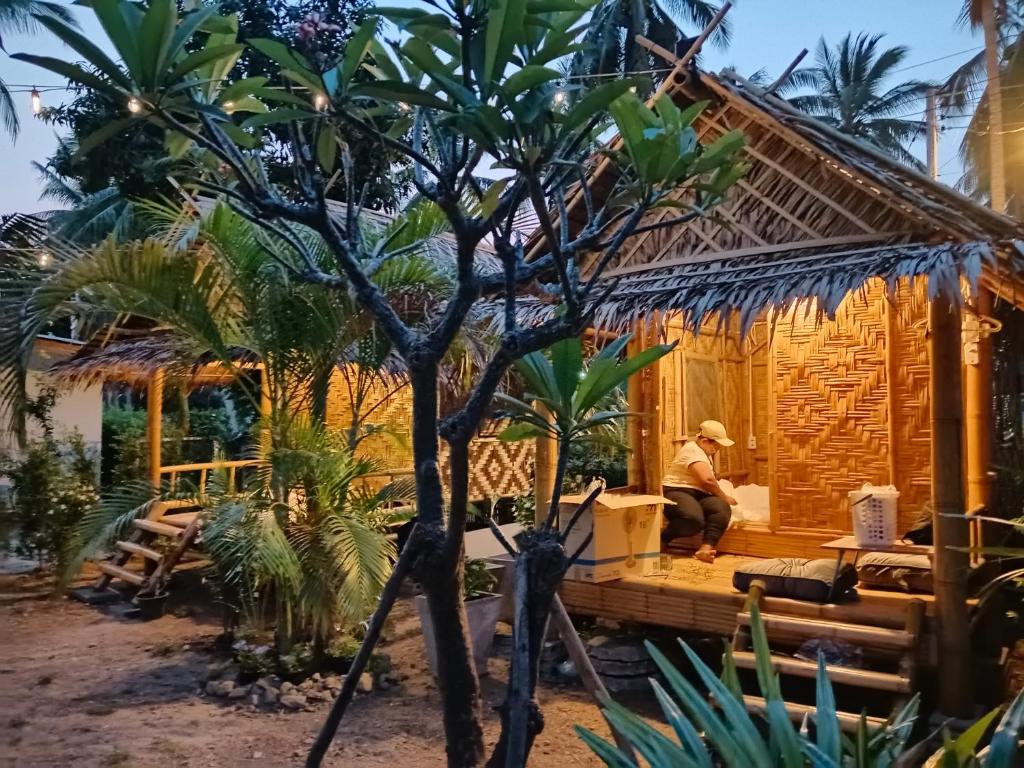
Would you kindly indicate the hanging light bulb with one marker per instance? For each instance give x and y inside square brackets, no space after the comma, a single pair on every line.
[37,102]
[229,107]
[320,101]
[134,105]
[559,97]
[43,259]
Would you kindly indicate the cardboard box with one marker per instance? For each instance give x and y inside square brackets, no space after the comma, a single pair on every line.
[627,535]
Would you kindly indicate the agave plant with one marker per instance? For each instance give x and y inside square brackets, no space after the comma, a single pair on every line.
[721,732]
[560,383]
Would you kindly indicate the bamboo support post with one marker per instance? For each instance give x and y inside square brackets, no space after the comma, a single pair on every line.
[546,460]
[787,72]
[654,412]
[978,406]
[154,417]
[635,427]
[562,623]
[951,563]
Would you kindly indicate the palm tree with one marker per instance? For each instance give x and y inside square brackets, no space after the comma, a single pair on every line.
[303,540]
[851,94]
[610,42]
[967,89]
[17,17]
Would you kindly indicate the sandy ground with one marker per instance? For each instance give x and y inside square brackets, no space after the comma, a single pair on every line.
[81,687]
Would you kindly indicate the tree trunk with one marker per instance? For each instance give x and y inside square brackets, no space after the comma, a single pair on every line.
[439,571]
[540,566]
[319,390]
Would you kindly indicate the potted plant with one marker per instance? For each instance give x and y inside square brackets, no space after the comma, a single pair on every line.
[483,605]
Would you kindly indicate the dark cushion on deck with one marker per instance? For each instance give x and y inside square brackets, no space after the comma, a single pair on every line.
[797,578]
[885,570]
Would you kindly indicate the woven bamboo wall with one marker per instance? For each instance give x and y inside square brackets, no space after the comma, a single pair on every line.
[395,414]
[496,469]
[835,387]
[911,410]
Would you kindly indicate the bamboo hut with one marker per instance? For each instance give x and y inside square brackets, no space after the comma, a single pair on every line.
[818,312]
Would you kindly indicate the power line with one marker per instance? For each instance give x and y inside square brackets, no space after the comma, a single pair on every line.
[938,58]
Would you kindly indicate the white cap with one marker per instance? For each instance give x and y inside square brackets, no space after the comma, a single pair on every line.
[714,430]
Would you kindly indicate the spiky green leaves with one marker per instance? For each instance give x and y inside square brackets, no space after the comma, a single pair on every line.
[571,389]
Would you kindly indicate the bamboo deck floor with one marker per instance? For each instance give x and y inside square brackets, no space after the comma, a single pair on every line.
[700,597]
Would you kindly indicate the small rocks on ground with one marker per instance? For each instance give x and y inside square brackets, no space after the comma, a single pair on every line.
[293,701]
[220,687]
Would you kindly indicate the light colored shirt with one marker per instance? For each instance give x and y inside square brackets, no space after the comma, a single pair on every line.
[680,474]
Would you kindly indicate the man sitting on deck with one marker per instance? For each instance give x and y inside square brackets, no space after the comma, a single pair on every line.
[700,504]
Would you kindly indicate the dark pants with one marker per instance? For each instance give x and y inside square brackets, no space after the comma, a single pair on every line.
[694,511]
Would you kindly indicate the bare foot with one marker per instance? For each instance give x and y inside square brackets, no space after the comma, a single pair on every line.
[706,554]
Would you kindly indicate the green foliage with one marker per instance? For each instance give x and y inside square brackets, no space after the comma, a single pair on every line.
[610,43]
[207,280]
[738,739]
[851,93]
[478,580]
[304,544]
[571,390]
[124,453]
[53,484]
[23,16]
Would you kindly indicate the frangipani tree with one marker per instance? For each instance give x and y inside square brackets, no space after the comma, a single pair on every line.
[469,82]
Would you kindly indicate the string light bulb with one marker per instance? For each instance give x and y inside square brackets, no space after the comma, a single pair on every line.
[43,259]
[320,101]
[229,106]
[37,101]
[560,96]
[134,105]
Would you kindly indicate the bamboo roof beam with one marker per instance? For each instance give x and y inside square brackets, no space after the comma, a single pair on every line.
[852,173]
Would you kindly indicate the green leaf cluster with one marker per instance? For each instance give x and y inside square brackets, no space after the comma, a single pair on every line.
[560,383]
[717,729]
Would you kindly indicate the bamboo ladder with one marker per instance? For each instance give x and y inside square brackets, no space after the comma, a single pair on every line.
[901,643]
[162,538]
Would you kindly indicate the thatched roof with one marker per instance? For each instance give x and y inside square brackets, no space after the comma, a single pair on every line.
[818,215]
[135,359]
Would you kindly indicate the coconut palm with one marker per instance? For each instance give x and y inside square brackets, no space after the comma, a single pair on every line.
[851,93]
[610,43]
[966,93]
[17,17]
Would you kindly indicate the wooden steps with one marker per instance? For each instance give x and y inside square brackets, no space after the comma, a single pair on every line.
[160,529]
[879,681]
[797,713]
[859,634]
[898,646]
[138,549]
[117,572]
[176,529]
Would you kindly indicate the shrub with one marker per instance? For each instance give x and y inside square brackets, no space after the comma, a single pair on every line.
[53,485]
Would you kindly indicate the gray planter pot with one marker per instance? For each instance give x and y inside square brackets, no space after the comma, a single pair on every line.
[482,614]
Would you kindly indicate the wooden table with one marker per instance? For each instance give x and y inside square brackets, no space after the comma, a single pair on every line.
[849,544]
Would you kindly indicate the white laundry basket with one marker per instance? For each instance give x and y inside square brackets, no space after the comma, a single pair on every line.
[873,508]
